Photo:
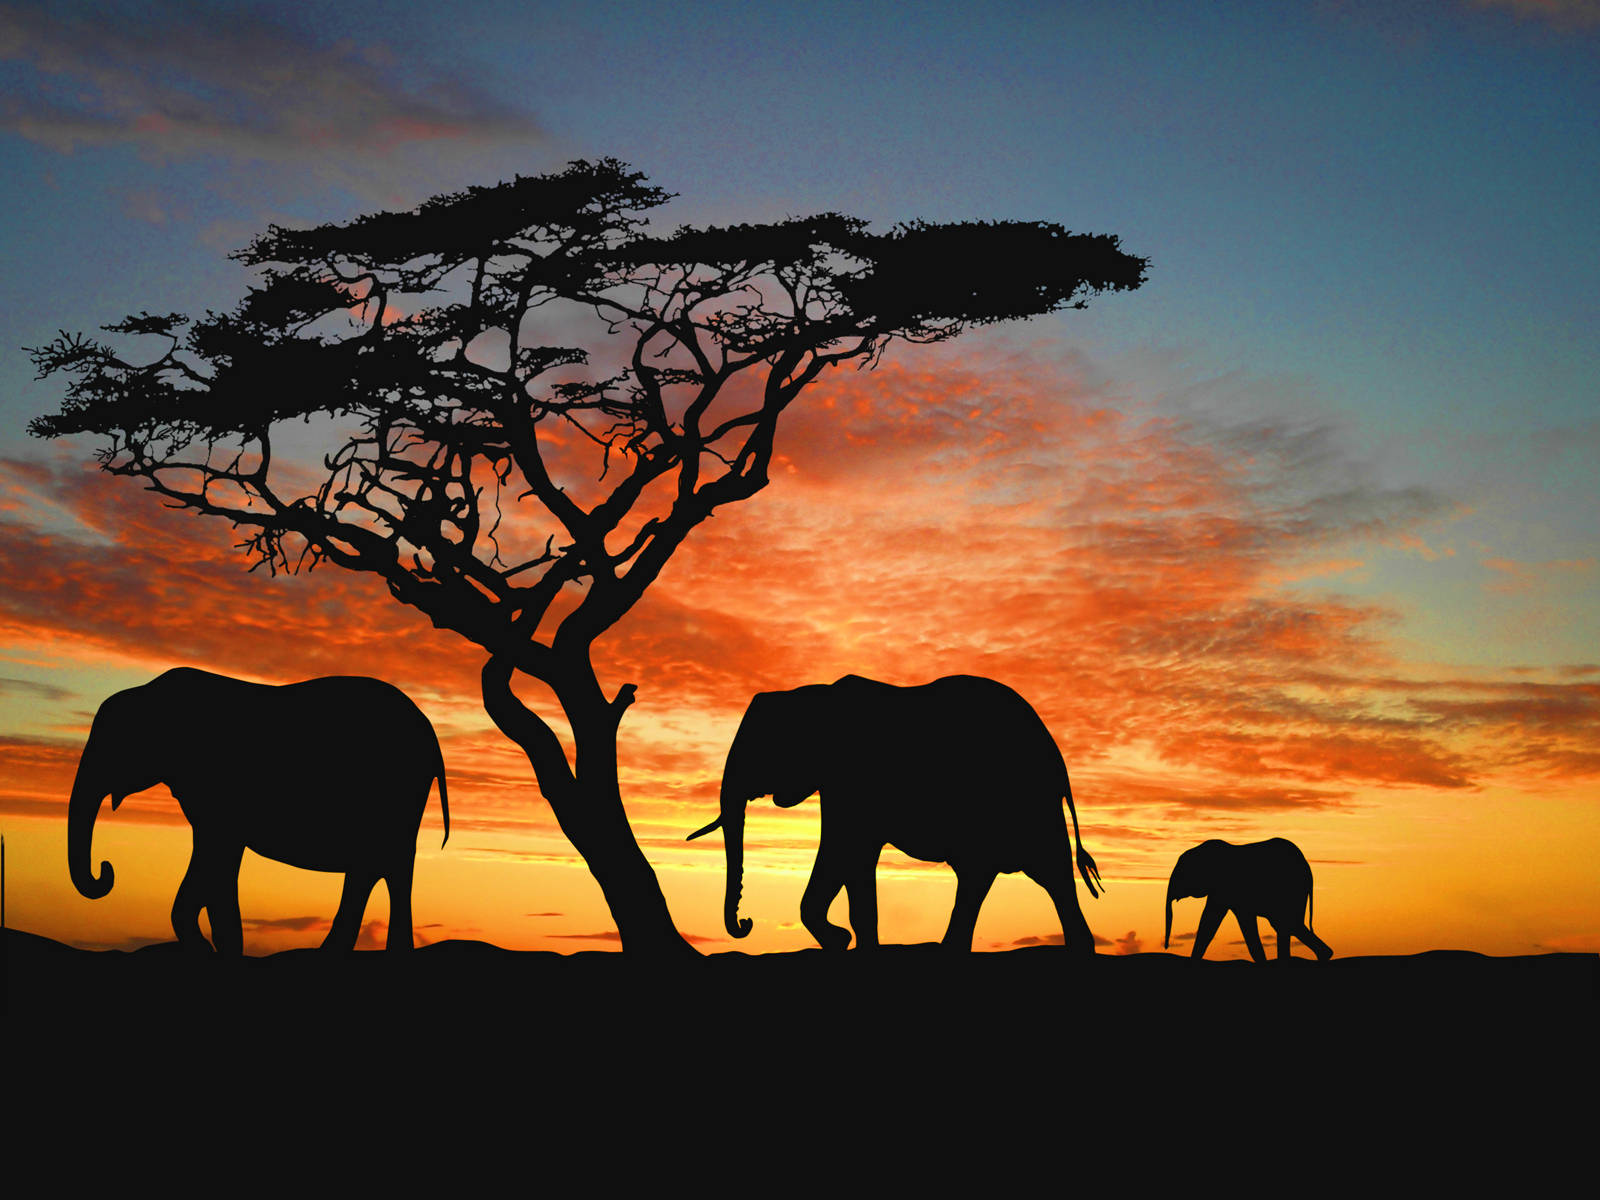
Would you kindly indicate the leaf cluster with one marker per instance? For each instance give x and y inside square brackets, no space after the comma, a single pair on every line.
[412,334]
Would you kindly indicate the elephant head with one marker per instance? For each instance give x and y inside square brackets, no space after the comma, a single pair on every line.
[780,751]
[1192,876]
[117,761]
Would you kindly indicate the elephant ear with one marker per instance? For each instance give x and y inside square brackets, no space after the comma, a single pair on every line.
[789,743]
[823,729]
[747,770]
[761,759]
[1180,884]
[127,736]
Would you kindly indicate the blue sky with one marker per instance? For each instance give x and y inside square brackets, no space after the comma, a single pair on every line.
[1393,203]
[1378,217]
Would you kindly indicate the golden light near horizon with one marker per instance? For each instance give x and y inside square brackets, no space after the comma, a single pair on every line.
[774,598]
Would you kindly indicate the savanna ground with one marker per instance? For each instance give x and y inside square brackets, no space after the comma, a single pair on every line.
[900,996]
[760,1073]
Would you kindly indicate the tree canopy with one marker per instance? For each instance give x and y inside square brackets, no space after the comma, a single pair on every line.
[494,352]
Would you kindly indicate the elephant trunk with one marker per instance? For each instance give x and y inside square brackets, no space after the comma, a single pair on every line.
[1172,894]
[733,846]
[89,789]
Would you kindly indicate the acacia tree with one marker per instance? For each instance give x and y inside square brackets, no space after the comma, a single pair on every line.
[410,340]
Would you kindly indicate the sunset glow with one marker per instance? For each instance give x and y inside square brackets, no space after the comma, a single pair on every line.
[1284,576]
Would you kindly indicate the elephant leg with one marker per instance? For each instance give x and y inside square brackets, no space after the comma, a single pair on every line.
[1054,875]
[835,861]
[1315,944]
[187,905]
[352,905]
[398,881]
[821,888]
[1210,919]
[972,885]
[1252,935]
[1283,930]
[211,882]
[861,886]
[222,901]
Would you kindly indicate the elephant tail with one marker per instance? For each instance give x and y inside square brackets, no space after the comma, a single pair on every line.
[1086,864]
[444,798]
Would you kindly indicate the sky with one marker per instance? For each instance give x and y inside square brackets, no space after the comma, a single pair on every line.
[1297,540]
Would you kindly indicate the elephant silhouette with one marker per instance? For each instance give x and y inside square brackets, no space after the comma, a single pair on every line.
[329,775]
[1268,879]
[960,770]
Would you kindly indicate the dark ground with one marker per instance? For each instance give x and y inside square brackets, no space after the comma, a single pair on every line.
[982,1056]
[903,994]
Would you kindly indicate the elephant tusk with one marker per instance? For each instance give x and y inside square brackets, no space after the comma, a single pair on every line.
[705,830]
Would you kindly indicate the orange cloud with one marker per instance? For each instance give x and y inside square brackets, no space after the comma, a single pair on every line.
[36,775]
[1124,574]
[138,580]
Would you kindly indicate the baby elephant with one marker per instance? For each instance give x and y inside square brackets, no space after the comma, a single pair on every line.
[329,775]
[1268,879]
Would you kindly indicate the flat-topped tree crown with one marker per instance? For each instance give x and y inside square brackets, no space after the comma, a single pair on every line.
[411,340]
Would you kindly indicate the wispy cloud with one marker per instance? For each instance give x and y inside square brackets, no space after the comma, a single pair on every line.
[1563,14]
[36,775]
[33,690]
[1512,576]
[1052,939]
[289,924]
[1136,578]
[177,81]
[170,591]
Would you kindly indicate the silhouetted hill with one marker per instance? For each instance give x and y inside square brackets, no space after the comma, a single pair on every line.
[901,991]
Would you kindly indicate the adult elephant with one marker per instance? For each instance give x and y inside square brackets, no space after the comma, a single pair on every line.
[960,770]
[329,775]
[1268,879]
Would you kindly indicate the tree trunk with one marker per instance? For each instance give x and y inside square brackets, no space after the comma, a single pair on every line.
[588,804]
[597,825]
